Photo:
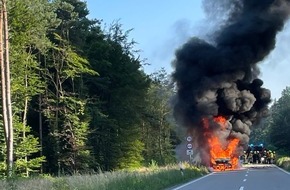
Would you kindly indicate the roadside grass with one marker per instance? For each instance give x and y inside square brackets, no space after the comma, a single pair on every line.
[284,162]
[156,178]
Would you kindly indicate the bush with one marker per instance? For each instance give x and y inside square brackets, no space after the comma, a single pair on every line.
[284,162]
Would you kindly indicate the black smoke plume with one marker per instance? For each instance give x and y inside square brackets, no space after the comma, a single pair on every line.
[221,78]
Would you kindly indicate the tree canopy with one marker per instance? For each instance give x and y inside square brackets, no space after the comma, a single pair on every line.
[81,100]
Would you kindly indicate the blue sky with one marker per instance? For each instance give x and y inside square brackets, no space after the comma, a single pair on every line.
[154,24]
[160,27]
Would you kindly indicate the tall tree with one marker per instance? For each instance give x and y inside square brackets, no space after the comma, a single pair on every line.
[64,107]
[280,125]
[119,93]
[5,84]
[158,129]
[29,22]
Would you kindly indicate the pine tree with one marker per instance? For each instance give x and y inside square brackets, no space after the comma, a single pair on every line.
[119,93]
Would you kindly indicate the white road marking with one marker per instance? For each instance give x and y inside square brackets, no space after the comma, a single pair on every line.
[246,175]
[244,180]
[282,170]
[191,182]
[241,188]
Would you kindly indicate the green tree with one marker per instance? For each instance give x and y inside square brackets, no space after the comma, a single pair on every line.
[63,105]
[260,133]
[119,94]
[64,109]
[279,133]
[159,135]
[26,146]
[280,125]
[6,87]
[28,24]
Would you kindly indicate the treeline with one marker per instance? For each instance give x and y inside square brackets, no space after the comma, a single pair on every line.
[274,131]
[80,99]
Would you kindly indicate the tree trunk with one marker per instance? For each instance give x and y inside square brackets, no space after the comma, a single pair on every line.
[24,122]
[40,132]
[5,79]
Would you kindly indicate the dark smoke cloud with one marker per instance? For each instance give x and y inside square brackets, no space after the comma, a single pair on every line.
[221,77]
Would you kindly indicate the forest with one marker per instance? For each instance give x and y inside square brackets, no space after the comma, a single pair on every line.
[81,101]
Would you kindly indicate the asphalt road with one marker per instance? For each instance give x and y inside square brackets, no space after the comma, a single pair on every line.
[251,177]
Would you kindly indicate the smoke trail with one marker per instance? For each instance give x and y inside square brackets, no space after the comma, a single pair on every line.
[221,78]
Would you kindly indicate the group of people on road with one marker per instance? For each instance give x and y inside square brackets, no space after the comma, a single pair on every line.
[258,155]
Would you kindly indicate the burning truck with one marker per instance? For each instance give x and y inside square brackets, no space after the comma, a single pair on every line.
[220,96]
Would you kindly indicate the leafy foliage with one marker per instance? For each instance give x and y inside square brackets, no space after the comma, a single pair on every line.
[29,21]
[280,125]
[63,107]
[119,92]
[81,100]
[159,135]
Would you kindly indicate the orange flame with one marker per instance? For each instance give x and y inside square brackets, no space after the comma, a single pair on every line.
[222,155]
[220,119]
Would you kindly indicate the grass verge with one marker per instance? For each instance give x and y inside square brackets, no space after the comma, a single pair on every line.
[143,179]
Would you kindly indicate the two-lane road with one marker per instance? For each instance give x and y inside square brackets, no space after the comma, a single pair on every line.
[252,177]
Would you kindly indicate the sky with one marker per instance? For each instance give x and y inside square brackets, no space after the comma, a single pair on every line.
[161,27]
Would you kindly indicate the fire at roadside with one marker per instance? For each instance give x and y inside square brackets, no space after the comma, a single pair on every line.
[220,96]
